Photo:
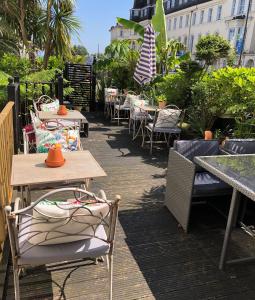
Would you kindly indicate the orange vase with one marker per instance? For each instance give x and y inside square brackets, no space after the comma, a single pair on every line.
[62,110]
[55,157]
[208,135]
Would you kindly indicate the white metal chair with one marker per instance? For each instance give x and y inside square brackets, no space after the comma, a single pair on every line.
[138,118]
[51,126]
[48,231]
[167,122]
[110,96]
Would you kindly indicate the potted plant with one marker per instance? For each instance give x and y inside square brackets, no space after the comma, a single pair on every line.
[161,100]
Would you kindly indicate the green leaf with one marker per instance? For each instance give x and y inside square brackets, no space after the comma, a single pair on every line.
[159,24]
[132,25]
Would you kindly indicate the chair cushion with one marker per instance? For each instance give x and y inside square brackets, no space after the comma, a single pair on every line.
[62,222]
[240,146]
[205,183]
[174,130]
[68,138]
[52,106]
[193,148]
[168,118]
[40,255]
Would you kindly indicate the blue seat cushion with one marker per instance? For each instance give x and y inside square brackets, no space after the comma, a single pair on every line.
[206,183]
[193,148]
[39,255]
[173,130]
[240,146]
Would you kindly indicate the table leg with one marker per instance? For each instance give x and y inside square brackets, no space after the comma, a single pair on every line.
[231,219]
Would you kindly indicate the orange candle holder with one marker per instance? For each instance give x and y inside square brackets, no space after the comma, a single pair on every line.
[62,110]
[55,157]
[208,135]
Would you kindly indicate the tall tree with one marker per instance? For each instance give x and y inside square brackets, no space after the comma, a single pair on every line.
[61,24]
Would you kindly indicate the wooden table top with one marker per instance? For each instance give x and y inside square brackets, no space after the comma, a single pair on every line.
[71,115]
[30,169]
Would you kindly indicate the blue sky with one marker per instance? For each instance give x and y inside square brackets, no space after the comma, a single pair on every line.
[96,17]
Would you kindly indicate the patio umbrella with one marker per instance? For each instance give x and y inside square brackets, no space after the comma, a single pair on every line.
[146,66]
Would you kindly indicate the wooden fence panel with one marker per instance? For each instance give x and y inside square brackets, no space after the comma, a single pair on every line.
[6,152]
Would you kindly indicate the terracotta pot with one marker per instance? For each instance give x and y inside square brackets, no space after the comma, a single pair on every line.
[62,110]
[162,104]
[55,157]
[208,135]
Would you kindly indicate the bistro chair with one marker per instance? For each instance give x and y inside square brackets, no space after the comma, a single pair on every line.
[187,182]
[110,96]
[80,226]
[121,108]
[48,133]
[138,117]
[46,103]
[167,122]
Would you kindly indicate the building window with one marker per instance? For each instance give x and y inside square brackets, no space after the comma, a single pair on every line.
[233,8]
[180,2]
[179,39]
[187,21]
[172,3]
[180,21]
[210,11]
[219,10]
[241,7]
[185,41]
[202,17]
[191,43]
[168,4]
[175,22]
[231,34]
[121,33]
[145,12]
[169,24]
[194,16]
[136,13]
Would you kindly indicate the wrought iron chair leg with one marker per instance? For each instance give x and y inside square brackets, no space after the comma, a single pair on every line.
[129,125]
[134,127]
[151,142]
[110,275]
[144,134]
[16,282]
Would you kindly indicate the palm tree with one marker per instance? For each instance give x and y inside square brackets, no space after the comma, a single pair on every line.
[61,24]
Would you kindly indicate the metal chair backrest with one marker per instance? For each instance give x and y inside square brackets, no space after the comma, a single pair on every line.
[168,116]
[44,99]
[50,221]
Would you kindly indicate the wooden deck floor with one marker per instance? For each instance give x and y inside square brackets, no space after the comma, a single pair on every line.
[154,259]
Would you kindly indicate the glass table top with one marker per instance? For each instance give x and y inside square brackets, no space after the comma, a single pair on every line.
[236,170]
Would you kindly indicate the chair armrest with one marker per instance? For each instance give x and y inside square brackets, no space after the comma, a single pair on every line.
[179,187]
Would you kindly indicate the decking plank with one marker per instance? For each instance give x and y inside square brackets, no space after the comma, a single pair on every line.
[154,259]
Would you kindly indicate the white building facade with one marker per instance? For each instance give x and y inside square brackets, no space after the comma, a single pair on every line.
[188,20]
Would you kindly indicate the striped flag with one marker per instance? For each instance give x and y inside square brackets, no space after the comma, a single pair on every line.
[146,66]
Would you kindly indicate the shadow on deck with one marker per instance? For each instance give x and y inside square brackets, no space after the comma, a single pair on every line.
[154,259]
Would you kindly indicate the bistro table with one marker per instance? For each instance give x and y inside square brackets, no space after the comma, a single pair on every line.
[239,172]
[30,170]
[72,115]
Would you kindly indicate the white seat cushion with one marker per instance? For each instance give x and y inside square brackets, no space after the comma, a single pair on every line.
[64,222]
[168,118]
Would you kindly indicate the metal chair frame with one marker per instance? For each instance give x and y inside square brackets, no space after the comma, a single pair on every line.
[150,132]
[17,227]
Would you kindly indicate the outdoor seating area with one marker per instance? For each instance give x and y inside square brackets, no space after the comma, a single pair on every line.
[149,244]
[127,169]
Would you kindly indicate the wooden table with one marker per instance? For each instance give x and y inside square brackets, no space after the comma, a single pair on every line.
[30,170]
[72,115]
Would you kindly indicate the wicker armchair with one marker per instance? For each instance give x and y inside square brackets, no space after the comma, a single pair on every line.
[187,181]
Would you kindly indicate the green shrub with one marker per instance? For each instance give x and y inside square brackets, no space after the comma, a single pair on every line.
[13,64]
[227,90]
[3,83]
